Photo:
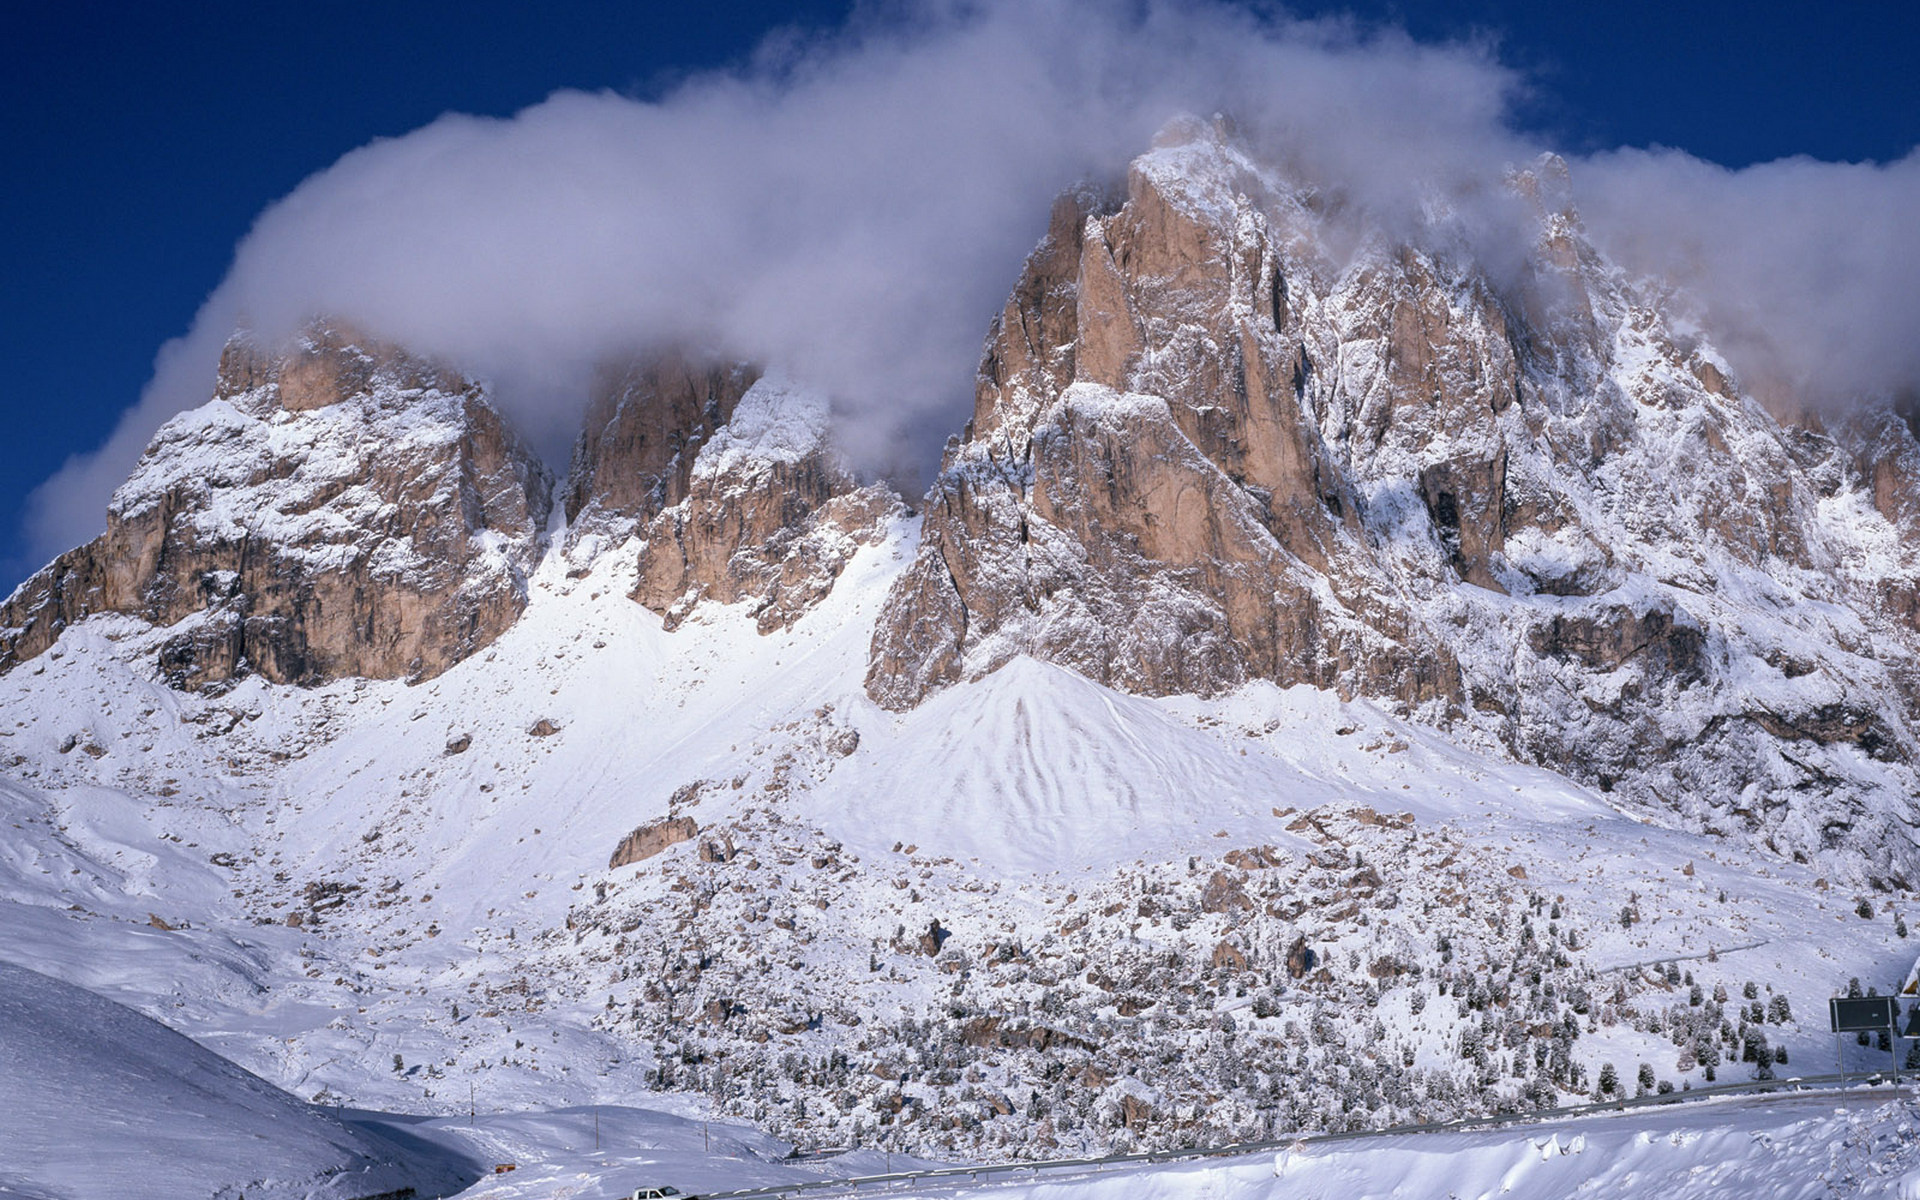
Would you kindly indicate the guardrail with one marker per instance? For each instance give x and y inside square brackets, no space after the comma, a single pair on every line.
[1236,1149]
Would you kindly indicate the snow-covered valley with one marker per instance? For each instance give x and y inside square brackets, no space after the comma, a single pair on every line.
[1032,918]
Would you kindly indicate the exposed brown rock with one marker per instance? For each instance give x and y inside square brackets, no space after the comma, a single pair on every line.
[646,420]
[734,505]
[1223,432]
[1154,509]
[340,508]
[769,516]
[1229,957]
[775,536]
[1300,958]
[1606,638]
[649,840]
[1224,893]
[933,939]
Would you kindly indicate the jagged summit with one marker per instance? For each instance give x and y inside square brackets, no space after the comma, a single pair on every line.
[771,516]
[724,482]
[646,419]
[1206,450]
[340,507]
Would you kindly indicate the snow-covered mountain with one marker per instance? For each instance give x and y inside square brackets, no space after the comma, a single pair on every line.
[1210,447]
[1330,682]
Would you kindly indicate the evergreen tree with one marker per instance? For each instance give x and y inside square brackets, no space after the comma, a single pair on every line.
[1609,1083]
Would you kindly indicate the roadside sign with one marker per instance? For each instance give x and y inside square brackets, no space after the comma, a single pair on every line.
[1864,1013]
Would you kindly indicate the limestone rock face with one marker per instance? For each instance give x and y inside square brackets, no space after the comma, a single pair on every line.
[1225,432]
[340,507]
[727,479]
[646,421]
[769,516]
[649,840]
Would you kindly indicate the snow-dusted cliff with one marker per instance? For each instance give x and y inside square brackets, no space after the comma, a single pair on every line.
[340,507]
[1212,446]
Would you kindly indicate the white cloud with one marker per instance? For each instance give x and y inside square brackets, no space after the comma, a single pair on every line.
[855,207]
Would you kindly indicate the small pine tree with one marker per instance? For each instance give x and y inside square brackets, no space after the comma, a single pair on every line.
[1779,1012]
[1864,909]
[1899,925]
[398,1065]
[1609,1083]
[1751,990]
[1645,1078]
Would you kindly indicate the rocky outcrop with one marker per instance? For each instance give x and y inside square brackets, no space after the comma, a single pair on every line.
[340,507]
[649,840]
[1140,494]
[647,418]
[767,516]
[1225,432]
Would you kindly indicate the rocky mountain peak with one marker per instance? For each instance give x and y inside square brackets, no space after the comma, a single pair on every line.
[1214,445]
[724,480]
[340,507]
[770,515]
[647,417]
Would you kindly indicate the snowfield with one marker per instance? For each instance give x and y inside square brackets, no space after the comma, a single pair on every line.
[101,1101]
[1033,918]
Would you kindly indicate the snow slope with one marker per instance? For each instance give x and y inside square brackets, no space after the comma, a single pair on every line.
[398,896]
[101,1101]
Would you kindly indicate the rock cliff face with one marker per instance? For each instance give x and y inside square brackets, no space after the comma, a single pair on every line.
[770,517]
[728,480]
[1208,448]
[340,507]
[646,421]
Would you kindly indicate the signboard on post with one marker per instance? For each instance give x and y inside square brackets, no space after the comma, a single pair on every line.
[1862,1013]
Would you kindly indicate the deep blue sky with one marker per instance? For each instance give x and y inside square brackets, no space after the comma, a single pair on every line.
[141,140]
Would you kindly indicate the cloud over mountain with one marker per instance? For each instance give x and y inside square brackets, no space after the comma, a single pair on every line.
[852,206]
